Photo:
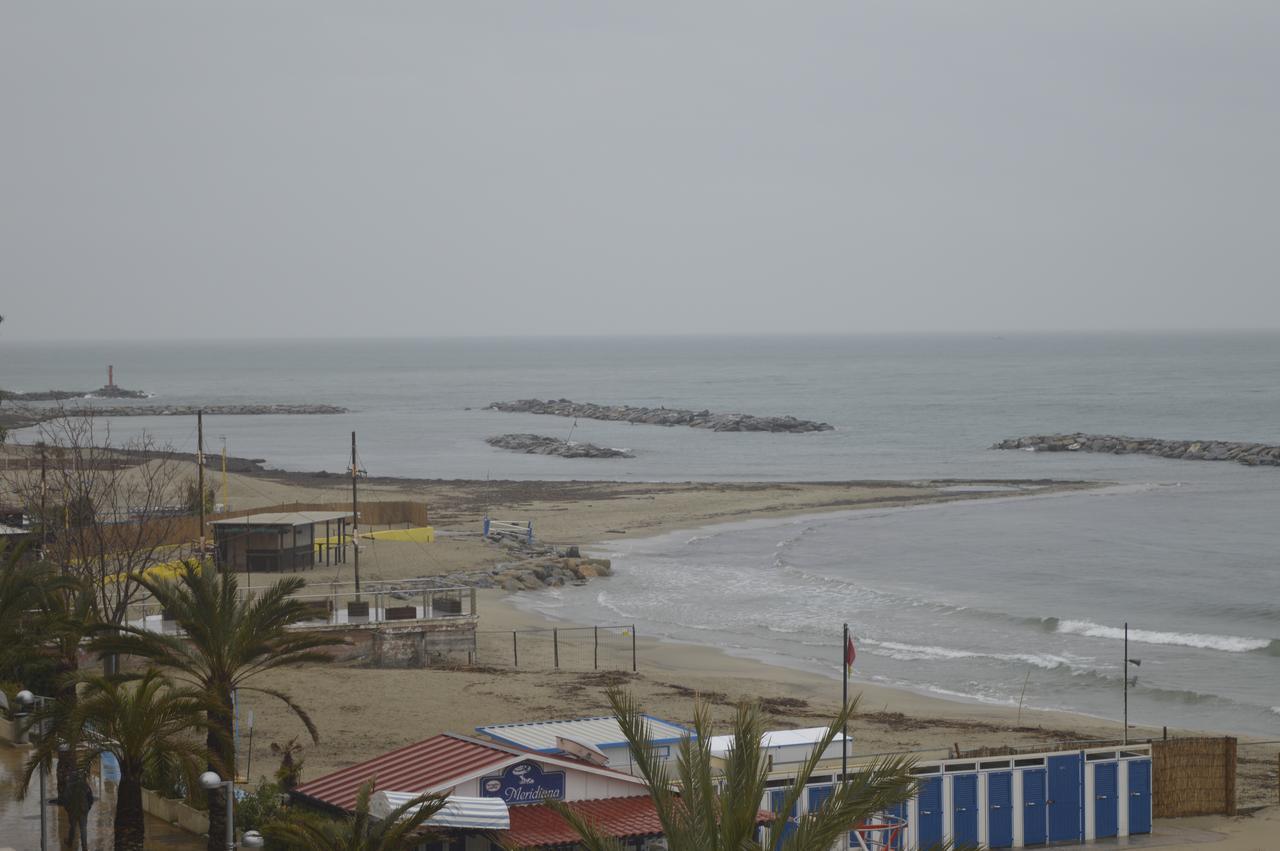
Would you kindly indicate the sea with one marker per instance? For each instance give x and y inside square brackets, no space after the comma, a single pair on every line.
[1014,600]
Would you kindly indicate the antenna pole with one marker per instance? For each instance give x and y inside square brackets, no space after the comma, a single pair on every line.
[1125,669]
[844,700]
[200,473]
[355,512]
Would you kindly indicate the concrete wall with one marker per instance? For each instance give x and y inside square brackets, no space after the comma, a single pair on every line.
[414,644]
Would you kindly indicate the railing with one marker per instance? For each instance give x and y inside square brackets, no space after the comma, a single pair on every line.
[338,604]
[519,529]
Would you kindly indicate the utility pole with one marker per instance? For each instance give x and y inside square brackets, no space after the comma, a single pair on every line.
[226,501]
[44,490]
[200,473]
[355,512]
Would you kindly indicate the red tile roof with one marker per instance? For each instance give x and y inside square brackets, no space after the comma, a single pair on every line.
[414,768]
[622,818]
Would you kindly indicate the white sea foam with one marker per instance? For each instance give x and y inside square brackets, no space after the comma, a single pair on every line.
[912,652]
[1228,643]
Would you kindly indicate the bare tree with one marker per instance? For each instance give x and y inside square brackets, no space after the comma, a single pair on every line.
[104,513]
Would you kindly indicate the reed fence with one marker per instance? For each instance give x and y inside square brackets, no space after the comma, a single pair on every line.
[1193,777]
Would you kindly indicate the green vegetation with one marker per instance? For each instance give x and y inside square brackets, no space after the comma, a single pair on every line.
[141,723]
[719,811]
[401,830]
[229,642]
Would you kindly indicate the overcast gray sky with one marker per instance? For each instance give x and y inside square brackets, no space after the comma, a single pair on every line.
[316,168]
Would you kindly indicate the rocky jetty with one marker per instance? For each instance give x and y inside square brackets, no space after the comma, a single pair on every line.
[537,444]
[109,391]
[1251,454]
[26,416]
[659,416]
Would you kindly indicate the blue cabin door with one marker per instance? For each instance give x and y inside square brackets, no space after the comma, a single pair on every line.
[964,809]
[1034,818]
[1140,796]
[1000,809]
[1106,813]
[778,797]
[929,830]
[1064,805]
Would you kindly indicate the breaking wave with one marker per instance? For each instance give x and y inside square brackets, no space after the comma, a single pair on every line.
[913,652]
[1225,643]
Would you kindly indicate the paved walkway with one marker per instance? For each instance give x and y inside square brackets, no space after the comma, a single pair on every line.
[20,820]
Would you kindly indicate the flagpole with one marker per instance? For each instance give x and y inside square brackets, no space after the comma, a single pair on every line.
[844,739]
[1124,669]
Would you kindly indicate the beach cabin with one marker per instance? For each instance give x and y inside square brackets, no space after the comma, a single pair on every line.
[281,541]
[1015,801]
[597,739]
[496,795]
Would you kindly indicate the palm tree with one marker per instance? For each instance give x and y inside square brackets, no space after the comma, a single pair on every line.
[718,810]
[142,723]
[401,830]
[228,642]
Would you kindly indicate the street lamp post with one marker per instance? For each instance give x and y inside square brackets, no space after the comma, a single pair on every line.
[251,839]
[26,700]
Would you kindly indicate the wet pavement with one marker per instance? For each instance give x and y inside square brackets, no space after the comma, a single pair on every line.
[20,820]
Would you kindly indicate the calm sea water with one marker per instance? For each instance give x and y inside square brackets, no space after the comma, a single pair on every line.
[963,600]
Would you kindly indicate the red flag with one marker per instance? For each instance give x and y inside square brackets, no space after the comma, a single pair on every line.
[849,653]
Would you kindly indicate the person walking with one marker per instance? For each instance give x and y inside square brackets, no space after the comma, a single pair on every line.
[77,800]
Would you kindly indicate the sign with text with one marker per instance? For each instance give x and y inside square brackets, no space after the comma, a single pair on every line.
[524,783]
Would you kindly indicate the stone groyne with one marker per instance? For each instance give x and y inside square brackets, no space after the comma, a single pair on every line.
[1251,454]
[26,416]
[108,392]
[660,416]
[537,444]
[209,410]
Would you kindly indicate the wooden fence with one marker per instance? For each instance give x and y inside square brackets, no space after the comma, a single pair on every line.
[1193,777]
[186,528]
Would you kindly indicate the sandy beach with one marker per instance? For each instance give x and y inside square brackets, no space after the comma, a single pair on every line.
[362,711]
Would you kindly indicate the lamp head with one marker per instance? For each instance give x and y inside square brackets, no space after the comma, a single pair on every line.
[252,839]
[25,697]
[210,780]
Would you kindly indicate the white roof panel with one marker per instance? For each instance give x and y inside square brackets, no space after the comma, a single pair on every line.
[778,739]
[598,732]
[475,813]
[284,518]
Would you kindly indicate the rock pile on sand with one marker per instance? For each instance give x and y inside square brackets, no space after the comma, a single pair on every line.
[532,575]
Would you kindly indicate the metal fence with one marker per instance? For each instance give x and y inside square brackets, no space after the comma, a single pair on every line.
[575,648]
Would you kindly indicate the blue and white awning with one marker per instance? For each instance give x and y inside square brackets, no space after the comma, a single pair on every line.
[470,813]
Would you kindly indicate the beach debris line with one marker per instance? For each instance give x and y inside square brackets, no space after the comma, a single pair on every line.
[660,416]
[537,444]
[1251,454]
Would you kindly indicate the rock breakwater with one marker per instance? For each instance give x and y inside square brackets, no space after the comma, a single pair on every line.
[1251,454]
[537,444]
[660,416]
[108,392]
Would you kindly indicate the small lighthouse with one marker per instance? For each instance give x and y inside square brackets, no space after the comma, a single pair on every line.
[111,378]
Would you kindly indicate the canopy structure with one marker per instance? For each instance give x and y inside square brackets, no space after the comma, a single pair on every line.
[459,812]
